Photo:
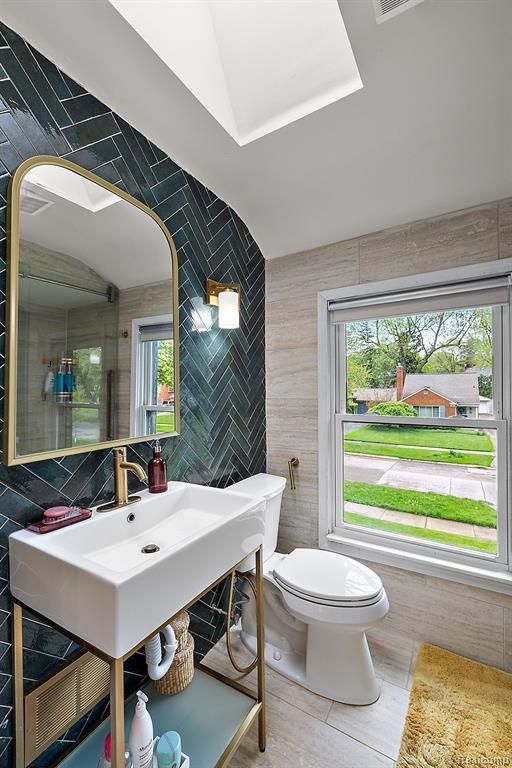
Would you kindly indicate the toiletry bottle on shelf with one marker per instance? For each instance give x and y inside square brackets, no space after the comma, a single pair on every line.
[69,379]
[49,381]
[106,759]
[168,750]
[157,471]
[60,395]
[140,739]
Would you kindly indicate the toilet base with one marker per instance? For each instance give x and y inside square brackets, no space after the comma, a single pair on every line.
[337,665]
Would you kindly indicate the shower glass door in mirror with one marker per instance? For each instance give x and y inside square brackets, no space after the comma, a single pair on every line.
[92,337]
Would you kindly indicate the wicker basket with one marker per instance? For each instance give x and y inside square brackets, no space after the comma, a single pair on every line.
[180,626]
[181,671]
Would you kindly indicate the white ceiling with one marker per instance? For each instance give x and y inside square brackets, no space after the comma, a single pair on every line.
[256,66]
[120,242]
[430,131]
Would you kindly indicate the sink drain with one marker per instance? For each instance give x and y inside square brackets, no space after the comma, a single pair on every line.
[150,549]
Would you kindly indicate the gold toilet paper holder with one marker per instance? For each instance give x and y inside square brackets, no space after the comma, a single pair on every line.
[294,462]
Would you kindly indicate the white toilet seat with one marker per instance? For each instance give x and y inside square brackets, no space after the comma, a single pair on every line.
[328,579]
[330,603]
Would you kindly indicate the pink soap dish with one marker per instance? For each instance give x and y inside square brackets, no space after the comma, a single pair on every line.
[58,517]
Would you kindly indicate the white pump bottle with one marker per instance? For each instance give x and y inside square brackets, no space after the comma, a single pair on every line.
[140,739]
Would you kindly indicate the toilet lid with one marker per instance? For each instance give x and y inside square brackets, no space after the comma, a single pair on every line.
[321,575]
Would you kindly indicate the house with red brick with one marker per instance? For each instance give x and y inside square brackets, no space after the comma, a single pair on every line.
[432,395]
[439,394]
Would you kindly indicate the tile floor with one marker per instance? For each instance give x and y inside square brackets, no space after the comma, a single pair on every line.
[309,731]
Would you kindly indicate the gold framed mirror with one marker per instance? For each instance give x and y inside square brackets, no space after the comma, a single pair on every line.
[92,316]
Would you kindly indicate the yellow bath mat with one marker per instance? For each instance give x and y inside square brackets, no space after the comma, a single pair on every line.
[460,714]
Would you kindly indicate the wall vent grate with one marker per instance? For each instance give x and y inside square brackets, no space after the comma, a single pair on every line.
[55,705]
[387,9]
[32,205]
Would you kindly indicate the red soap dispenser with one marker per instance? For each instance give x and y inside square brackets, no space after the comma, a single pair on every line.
[157,471]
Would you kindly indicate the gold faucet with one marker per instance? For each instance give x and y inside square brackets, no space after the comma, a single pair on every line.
[121,469]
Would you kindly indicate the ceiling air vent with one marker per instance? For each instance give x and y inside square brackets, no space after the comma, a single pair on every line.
[32,205]
[386,9]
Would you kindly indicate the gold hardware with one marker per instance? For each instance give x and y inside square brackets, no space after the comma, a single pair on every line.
[260,649]
[17,674]
[294,462]
[117,711]
[11,458]
[213,288]
[121,469]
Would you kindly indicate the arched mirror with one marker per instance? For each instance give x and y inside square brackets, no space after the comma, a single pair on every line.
[92,316]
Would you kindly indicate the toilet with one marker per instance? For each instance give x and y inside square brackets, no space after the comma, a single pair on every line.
[318,607]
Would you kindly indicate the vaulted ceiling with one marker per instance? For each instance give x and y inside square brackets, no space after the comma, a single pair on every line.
[430,130]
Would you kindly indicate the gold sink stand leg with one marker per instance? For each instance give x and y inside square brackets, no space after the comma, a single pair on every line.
[117,711]
[260,650]
[19,701]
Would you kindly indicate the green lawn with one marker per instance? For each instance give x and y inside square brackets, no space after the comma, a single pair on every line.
[85,414]
[165,422]
[430,437]
[421,503]
[483,545]
[419,454]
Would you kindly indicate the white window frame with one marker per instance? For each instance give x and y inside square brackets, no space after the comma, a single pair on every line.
[431,408]
[438,560]
[139,386]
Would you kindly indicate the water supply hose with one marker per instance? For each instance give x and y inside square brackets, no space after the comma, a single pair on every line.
[252,665]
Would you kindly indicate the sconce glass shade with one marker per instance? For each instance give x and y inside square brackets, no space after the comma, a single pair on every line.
[229,316]
[201,315]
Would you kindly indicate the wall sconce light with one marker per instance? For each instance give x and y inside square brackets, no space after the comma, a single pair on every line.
[225,296]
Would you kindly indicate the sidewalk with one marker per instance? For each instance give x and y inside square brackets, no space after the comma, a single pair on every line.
[423,521]
[476,483]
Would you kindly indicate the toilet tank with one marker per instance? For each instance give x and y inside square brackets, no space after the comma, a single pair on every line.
[271,488]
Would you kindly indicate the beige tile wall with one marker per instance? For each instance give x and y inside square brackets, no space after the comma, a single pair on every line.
[474,622]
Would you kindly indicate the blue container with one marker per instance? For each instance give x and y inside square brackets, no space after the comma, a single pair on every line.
[168,750]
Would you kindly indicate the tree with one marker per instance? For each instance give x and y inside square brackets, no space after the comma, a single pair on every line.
[166,363]
[358,374]
[485,385]
[393,409]
[432,342]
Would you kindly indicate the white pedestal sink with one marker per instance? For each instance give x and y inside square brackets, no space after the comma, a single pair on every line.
[94,580]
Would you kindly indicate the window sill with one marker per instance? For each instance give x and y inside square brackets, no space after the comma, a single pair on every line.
[477,576]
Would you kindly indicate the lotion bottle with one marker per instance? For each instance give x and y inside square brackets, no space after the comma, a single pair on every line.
[157,471]
[140,739]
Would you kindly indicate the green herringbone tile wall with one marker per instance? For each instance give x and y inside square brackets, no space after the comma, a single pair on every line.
[43,111]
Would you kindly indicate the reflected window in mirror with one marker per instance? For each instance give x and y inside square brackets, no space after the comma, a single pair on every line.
[153,403]
[86,413]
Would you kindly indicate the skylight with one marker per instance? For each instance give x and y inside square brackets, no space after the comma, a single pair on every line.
[255,65]
[59,181]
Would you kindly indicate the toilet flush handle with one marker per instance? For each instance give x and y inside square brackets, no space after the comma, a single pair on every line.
[294,462]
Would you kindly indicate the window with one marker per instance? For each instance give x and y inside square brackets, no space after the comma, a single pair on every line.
[152,409]
[86,426]
[419,411]
[427,411]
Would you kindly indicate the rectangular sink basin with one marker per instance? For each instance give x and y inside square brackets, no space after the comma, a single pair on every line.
[96,580]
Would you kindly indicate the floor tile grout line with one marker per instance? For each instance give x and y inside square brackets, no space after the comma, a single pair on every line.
[329,712]
[359,741]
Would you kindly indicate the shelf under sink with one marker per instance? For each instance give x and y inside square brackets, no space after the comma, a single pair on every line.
[207,715]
